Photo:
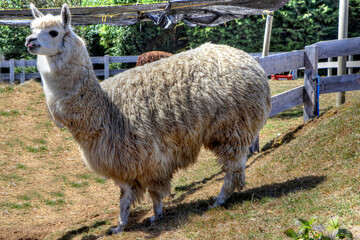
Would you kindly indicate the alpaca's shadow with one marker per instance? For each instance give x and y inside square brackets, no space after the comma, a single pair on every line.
[176,213]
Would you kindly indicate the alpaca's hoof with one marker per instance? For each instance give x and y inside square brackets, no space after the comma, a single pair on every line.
[155,218]
[116,230]
[218,202]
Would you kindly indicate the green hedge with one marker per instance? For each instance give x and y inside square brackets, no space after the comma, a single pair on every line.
[296,25]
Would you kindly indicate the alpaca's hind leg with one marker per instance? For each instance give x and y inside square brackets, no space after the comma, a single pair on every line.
[126,200]
[235,178]
[157,205]
[157,190]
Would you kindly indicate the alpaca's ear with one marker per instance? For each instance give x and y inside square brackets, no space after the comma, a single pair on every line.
[65,16]
[35,12]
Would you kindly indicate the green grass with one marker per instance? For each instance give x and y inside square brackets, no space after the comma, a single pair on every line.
[39,141]
[21,166]
[78,184]
[57,194]
[39,149]
[12,177]
[10,113]
[23,197]
[11,205]
[55,202]
[6,89]
[46,125]
[100,180]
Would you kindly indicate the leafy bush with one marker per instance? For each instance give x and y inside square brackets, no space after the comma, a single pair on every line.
[307,231]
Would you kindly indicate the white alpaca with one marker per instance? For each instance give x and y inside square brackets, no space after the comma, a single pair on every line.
[141,126]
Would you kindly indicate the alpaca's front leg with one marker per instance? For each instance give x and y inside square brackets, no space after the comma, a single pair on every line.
[126,200]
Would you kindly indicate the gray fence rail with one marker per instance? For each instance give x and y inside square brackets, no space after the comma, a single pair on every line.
[23,76]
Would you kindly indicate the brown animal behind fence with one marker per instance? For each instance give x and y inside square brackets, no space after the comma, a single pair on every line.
[152,56]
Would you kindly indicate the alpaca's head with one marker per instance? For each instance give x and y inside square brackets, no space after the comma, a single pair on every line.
[48,32]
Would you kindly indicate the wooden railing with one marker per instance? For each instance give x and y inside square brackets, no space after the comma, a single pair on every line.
[309,60]
[23,76]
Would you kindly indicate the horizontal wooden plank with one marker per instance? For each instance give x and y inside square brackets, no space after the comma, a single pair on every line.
[116,71]
[286,100]
[112,72]
[342,83]
[28,63]
[283,62]
[6,76]
[97,60]
[335,64]
[116,59]
[15,23]
[259,54]
[124,59]
[84,11]
[335,48]
[132,13]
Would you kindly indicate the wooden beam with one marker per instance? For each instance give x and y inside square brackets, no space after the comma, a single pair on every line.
[335,48]
[282,62]
[22,64]
[12,70]
[106,66]
[267,35]
[286,100]
[340,83]
[124,59]
[342,34]
[311,70]
[349,64]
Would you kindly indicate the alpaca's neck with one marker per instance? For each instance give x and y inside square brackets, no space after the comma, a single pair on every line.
[71,87]
[67,70]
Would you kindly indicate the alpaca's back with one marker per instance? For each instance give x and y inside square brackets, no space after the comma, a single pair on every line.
[204,96]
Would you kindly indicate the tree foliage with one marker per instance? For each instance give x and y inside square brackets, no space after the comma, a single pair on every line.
[296,25]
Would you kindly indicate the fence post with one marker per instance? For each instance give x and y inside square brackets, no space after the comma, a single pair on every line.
[342,34]
[106,67]
[1,59]
[329,70]
[255,147]
[350,69]
[311,70]
[12,71]
[22,65]
[295,74]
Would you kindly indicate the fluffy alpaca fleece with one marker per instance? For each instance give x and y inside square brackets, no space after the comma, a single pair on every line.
[141,126]
[152,56]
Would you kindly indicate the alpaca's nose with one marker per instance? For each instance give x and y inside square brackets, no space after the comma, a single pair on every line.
[30,39]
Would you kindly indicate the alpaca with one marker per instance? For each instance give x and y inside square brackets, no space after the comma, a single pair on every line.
[140,126]
[152,56]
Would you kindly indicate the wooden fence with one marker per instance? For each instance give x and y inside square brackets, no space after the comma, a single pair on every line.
[22,64]
[307,59]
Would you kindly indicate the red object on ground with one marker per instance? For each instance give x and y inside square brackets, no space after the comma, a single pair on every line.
[281,77]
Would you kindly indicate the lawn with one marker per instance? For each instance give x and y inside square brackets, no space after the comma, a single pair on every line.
[307,170]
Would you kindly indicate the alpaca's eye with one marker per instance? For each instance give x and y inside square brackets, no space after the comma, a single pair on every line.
[53,33]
